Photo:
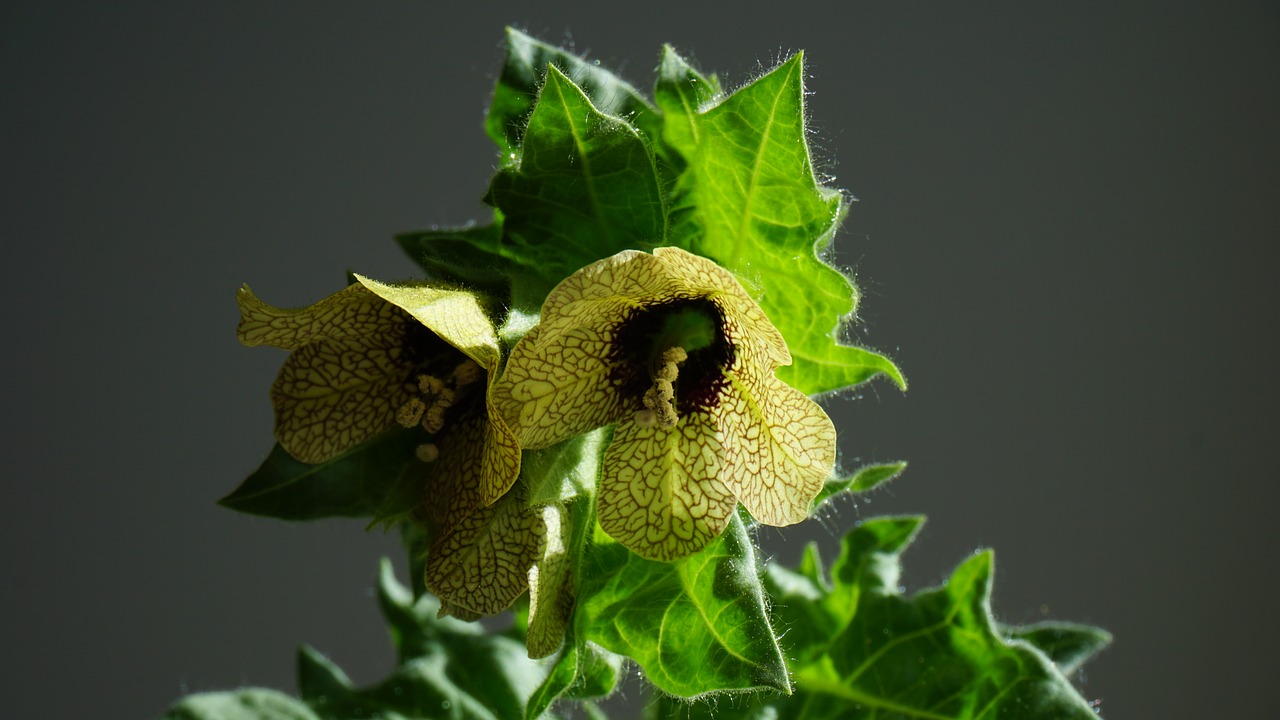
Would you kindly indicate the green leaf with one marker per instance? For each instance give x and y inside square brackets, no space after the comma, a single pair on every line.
[1068,645]
[681,92]
[368,480]
[479,258]
[470,257]
[585,187]
[864,479]
[695,626]
[522,78]
[863,650]
[244,704]
[749,201]
[583,669]
[446,668]
[563,471]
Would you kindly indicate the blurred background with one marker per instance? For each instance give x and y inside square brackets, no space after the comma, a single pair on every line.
[1066,235]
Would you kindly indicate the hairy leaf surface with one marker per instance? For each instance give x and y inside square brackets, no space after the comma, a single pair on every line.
[749,201]
[863,650]
[695,626]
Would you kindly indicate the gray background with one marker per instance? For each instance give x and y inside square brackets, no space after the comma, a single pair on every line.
[1066,235]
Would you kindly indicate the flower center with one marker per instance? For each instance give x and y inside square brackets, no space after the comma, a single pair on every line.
[439,387]
[671,357]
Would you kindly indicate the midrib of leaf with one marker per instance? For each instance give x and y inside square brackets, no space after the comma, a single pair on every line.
[587,175]
[312,470]
[687,585]
[895,642]
[992,702]
[814,683]
[749,200]
[690,115]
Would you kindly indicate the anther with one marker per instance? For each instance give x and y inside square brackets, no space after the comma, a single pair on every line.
[433,420]
[466,373]
[429,384]
[659,399]
[411,412]
[427,452]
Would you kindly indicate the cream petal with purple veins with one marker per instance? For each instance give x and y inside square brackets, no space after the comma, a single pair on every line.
[671,347]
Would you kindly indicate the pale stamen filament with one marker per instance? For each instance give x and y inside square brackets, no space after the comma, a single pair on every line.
[659,399]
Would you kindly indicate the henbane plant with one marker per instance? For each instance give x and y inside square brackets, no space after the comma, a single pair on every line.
[581,411]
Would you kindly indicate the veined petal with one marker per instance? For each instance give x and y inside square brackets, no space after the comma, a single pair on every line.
[552,392]
[479,461]
[747,327]
[699,276]
[454,315]
[482,564]
[603,290]
[332,396]
[661,494]
[781,446]
[350,313]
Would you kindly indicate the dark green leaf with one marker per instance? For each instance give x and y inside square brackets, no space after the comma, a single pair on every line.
[584,188]
[367,481]
[749,201]
[862,480]
[481,259]
[446,669]
[244,704]
[695,626]
[470,257]
[522,79]
[1068,645]
[936,655]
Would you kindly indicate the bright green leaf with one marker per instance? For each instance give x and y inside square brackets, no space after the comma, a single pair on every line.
[862,480]
[695,626]
[584,187]
[522,77]
[749,201]
[582,671]
[681,93]
[563,471]
[244,704]
[368,480]
[936,656]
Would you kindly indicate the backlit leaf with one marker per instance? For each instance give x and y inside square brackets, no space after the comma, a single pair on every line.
[863,650]
[749,201]
[695,626]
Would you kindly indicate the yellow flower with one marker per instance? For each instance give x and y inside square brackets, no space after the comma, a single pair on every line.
[374,356]
[671,348]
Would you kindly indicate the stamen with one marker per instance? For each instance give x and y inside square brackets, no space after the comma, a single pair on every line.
[427,452]
[430,384]
[466,373]
[659,400]
[411,412]
[433,421]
